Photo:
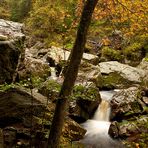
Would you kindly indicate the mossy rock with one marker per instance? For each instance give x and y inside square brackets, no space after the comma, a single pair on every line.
[111,54]
[85,100]
[133,131]
[134,53]
[89,73]
[50,88]
[114,80]
[90,92]
[34,68]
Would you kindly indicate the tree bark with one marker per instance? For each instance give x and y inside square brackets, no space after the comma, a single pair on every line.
[71,74]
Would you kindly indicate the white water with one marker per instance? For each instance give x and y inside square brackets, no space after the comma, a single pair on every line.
[53,73]
[97,128]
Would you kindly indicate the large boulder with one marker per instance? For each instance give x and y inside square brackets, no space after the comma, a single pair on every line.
[59,54]
[22,111]
[117,75]
[11,47]
[16,106]
[129,128]
[127,103]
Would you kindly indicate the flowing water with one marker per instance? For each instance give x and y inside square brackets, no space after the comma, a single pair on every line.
[97,128]
[53,73]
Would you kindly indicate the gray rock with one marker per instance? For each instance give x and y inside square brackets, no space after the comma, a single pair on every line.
[130,128]
[120,75]
[35,68]
[143,65]
[125,103]
[12,30]
[3,37]
[59,54]
[11,49]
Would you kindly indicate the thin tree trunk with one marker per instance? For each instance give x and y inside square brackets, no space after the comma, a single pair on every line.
[71,74]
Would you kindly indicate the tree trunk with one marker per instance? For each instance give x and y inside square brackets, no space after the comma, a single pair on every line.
[71,74]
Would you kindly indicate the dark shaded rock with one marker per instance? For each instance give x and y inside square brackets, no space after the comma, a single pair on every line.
[16,106]
[85,101]
[1,138]
[130,109]
[9,136]
[113,130]
[28,113]
[11,47]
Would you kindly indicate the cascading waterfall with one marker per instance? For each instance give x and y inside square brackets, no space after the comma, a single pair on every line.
[53,73]
[97,128]
[103,112]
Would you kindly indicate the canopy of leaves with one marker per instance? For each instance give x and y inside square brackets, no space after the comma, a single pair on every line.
[4,9]
[52,20]
[55,22]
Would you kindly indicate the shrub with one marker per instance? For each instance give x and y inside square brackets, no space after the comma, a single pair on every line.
[112,54]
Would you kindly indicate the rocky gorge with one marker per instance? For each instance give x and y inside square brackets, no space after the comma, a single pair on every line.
[28,93]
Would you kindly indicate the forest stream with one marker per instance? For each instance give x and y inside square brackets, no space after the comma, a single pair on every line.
[97,127]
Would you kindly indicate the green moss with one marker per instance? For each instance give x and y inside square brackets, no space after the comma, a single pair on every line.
[6,86]
[143,140]
[140,125]
[145,109]
[50,88]
[90,93]
[33,82]
[133,51]
[113,80]
[146,58]
[112,54]
[53,85]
